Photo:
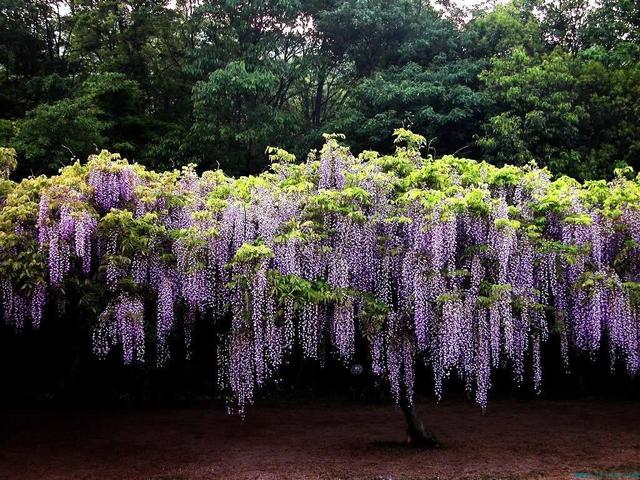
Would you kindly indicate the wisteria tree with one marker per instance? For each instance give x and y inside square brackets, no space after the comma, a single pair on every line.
[459,266]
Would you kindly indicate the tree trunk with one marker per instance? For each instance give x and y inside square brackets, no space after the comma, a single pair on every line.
[417,434]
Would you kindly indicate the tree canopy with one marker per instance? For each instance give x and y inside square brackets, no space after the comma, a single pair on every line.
[394,261]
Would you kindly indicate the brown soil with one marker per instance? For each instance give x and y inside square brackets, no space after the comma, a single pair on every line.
[535,439]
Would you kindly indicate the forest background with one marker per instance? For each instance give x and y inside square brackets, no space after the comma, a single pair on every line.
[216,82]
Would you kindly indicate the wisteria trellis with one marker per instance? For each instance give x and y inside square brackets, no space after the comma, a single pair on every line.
[458,264]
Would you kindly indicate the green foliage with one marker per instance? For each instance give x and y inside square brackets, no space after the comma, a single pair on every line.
[248,253]
[506,27]
[440,100]
[216,82]
[236,114]
[299,292]
[26,266]
[53,134]
[8,162]
[134,234]
[412,140]
[612,21]
[105,113]
[568,113]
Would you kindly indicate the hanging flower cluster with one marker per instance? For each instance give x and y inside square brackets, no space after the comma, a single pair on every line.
[460,265]
[121,323]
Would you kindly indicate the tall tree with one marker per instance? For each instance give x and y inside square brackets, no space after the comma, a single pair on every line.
[33,42]
[563,22]
[612,22]
[573,114]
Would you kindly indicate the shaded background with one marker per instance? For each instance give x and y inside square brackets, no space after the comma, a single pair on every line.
[55,366]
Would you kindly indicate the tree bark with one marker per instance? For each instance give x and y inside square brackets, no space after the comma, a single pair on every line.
[417,434]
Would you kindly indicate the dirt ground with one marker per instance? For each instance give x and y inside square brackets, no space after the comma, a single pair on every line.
[513,439]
